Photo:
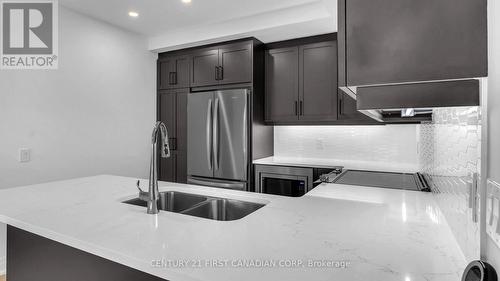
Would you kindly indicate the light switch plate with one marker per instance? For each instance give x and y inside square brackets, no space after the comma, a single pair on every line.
[493,211]
[24,155]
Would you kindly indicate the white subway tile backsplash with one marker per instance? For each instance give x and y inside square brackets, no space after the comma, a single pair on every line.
[390,143]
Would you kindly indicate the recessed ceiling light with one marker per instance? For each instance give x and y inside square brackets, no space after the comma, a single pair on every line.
[133,14]
[186,1]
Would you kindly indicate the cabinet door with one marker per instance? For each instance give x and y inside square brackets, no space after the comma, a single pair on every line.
[181,167]
[173,72]
[166,70]
[167,103]
[172,110]
[347,111]
[168,168]
[181,116]
[236,63]
[204,65]
[181,76]
[282,84]
[318,82]
[391,41]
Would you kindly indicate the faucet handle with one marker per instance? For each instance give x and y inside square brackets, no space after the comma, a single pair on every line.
[143,195]
[138,184]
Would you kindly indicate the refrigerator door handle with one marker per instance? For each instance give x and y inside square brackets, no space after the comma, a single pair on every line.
[209,134]
[215,134]
[216,183]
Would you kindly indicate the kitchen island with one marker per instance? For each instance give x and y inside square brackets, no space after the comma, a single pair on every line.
[335,232]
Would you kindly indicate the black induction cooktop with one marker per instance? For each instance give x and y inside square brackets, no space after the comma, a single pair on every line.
[404,181]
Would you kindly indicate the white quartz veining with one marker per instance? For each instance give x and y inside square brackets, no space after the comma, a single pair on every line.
[330,163]
[335,232]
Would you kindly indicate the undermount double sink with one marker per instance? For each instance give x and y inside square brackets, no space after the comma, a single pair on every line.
[213,208]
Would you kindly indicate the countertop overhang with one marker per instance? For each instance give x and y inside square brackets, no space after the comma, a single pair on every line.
[335,232]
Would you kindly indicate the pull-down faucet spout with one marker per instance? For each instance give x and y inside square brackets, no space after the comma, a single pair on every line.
[160,135]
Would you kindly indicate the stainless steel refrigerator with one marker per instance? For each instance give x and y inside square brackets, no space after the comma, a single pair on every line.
[218,138]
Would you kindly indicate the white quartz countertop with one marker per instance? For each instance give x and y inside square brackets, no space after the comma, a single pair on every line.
[331,163]
[380,234]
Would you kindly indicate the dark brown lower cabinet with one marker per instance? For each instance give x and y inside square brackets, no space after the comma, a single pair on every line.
[181,169]
[172,110]
[168,167]
[31,257]
[174,169]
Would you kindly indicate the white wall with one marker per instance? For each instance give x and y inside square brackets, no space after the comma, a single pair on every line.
[390,144]
[92,116]
[492,252]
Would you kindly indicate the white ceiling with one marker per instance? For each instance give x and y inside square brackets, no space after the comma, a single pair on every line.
[171,24]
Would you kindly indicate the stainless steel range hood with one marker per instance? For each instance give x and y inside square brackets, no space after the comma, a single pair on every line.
[413,102]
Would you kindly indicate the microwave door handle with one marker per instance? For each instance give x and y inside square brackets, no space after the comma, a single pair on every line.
[215,133]
[209,134]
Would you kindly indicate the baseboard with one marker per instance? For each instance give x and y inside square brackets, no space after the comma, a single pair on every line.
[3,266]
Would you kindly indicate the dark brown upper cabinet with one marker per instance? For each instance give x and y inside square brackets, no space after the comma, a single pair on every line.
[348,114]
[173,72]
[398,41]
[226,64]
[235,62]
[282,84]
[205,68]
[301,84]
[318,82]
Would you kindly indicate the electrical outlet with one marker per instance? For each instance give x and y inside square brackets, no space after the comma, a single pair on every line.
[24,155]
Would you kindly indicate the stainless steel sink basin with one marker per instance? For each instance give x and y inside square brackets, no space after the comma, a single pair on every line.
[213,208]
[172,201]
[223,209]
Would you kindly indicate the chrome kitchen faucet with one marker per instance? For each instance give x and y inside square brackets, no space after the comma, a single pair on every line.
[160,133]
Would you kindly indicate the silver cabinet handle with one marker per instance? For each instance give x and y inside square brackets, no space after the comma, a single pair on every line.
[209,134]
[215,134]
[473,197]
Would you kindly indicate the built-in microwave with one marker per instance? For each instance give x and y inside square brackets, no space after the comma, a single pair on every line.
[287,181]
